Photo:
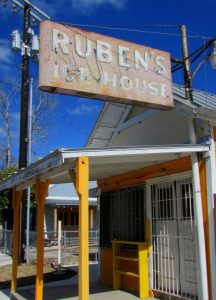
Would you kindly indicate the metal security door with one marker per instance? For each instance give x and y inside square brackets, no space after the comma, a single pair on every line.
[174,239]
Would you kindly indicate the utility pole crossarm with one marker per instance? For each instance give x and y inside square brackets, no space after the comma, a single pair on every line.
[40,14]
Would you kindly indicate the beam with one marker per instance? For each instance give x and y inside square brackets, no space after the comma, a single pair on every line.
[17,197]
[121,122]
[202,279]
[139,176]
[82,182]
[73,177]
[205,209]
[138,119]
[41,190]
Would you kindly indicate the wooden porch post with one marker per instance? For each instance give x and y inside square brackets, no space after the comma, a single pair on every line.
[203,184]
[41,189]
[17,197]
[81,181]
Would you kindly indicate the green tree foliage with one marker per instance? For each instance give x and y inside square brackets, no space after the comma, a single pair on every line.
[6,195]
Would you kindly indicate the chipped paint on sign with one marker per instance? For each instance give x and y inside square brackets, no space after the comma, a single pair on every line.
[86,64]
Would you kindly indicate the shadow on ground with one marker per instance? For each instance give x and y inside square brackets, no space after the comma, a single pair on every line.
[48,277]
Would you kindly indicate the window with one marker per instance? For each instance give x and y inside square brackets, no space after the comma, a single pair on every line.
[60,216]
[65,218]
[74,217]
[187,205]
[165,203]
[122,216]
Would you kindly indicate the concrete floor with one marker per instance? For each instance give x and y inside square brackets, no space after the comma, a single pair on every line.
[98,291]
[68,290]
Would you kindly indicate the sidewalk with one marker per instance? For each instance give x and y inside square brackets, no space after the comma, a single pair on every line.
[5,260]
[68,290]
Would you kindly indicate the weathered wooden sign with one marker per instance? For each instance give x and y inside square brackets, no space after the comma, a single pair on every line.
[86,64]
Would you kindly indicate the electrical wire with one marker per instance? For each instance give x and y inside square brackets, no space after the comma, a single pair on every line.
[129,59]
[176,67]
[75,126]
[199,52]
[10,84]
[130,29]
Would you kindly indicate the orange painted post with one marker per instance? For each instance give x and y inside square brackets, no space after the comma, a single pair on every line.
[41,190]
[17,196]
[82,182]
[203,185]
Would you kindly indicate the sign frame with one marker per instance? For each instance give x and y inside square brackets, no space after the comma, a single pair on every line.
[85,64]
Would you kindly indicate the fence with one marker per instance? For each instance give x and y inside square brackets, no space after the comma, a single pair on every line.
[68,246]
[6,241]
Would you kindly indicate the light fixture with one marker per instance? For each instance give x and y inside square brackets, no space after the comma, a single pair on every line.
[213,56]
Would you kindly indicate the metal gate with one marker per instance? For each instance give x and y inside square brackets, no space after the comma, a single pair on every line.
[174,239]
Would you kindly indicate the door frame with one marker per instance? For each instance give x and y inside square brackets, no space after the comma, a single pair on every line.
[149,182]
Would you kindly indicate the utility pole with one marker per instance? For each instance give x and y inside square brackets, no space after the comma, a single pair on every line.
[186,64]
[29,162]
[203,283]
[29,47]
[23,154]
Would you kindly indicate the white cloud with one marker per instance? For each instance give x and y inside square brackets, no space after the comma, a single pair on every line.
[83,109]
[88,6]
[6,54]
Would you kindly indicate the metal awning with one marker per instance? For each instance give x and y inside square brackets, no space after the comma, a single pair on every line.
[104,162]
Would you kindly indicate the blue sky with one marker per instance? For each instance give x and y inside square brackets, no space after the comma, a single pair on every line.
[151,23]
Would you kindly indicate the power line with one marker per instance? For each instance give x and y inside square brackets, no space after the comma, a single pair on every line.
[131,29]
[114,51]
[10,84]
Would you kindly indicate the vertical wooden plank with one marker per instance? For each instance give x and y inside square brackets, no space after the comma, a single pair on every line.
[55,219]
[203,185]
[40,252]
[41,190]
[116,266]
[143,271]
[82,182]
[17,196]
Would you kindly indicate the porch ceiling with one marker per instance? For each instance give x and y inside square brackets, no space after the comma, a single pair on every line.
[104,163]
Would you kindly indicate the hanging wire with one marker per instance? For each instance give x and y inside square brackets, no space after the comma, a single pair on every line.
[129,59]
[75,126]
[198,52]
[10,84]
[130,29]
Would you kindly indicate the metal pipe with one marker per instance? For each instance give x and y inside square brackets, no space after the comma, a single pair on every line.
[198,67]
[59,245]
[29,162]
[199,217]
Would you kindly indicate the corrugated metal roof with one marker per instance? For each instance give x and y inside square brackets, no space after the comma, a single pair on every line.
[66,189]
[69,202]
[200,98]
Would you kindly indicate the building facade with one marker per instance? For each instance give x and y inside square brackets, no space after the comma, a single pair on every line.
[162,195]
